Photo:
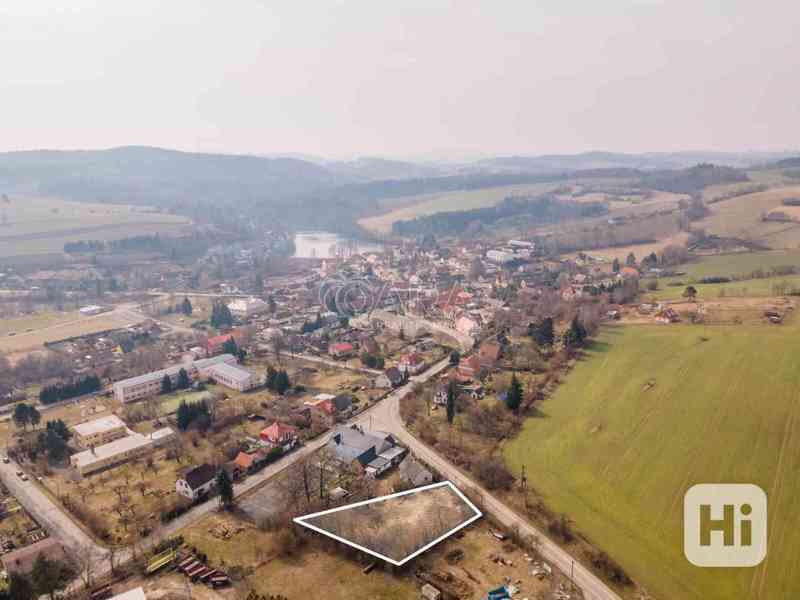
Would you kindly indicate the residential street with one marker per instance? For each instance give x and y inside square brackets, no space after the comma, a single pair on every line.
[383,416]
[386,417]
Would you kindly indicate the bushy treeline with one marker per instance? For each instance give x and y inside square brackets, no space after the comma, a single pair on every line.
[64,391]
[693,179]
[138,242]
[544,209]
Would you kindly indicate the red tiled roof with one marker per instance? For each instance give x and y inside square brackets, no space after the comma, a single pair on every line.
[326,406]
[277,432]
[411,358]
[219,340]
[243,460]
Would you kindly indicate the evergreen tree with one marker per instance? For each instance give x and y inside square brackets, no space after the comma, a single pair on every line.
[272,305]
[34,415]
[576,334]
[193,412]
[455,358]
[514,394]
[22,415]
[241,355]
[225,489]
[221,316]
[166,385]
[543,332]
[186,307]
[631,260]
[60,428]
[282,383]
[183,379]
[452,396]
[230,347]
[615,266]
[183,417]
[53,445]
[271,376]
[20,588]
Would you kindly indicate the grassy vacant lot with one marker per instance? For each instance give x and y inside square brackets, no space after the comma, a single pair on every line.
[60,329]
[397,527]
[653,410]
[43,225]
[304,574]
[36,321]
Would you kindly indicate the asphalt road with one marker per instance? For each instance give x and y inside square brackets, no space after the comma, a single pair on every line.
[385,416]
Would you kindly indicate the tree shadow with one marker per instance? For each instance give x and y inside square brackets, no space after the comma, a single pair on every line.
[596,347]
[536,413]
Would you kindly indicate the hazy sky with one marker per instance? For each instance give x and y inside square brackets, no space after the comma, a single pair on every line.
[400,78]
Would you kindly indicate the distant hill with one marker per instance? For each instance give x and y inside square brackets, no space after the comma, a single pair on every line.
[375,169]
[251,192]
[608,160]
[229,190]
[144,175]
[787,163]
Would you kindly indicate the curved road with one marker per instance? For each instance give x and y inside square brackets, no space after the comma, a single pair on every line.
[387,417]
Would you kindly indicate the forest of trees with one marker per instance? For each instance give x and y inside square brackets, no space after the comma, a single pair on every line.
[543,209]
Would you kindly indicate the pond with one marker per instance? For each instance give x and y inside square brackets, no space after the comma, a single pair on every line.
[323,244]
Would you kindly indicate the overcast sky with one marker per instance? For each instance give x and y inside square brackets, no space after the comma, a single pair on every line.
[401,78]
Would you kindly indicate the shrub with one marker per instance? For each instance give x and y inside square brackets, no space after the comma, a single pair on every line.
[561,528]
[606,565]
[493,473]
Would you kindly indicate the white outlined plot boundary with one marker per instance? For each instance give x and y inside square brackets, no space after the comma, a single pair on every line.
[478,514]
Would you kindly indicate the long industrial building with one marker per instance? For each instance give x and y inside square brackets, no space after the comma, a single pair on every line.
[149,384]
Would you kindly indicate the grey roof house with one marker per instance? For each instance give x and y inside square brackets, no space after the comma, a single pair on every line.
[376,451]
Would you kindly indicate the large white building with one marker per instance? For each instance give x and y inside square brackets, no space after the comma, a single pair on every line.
[232,376]
[119,451]
[247,307]
[500,256]
[149,384]
[100,431]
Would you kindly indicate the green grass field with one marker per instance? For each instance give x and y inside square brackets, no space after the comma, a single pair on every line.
[731,265]
[741,289]
[410,207]
[618,457]
[42,226]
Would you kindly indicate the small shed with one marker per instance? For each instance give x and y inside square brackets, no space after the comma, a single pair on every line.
[429,592]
